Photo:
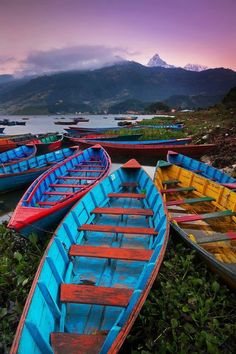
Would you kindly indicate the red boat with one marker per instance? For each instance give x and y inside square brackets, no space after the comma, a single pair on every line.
[147,153]
[54,192]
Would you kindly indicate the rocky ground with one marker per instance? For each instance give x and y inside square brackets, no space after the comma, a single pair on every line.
[223,156]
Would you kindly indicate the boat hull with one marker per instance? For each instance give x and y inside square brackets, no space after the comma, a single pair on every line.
[98,322]
[150,153]
[30,213]
[17,175]
[203,214]
[16,155]
[203,169]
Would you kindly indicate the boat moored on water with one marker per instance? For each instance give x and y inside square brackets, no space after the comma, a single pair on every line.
[203,214]
[49,197]
[97,269]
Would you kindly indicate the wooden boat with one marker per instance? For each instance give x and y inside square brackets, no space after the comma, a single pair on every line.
[7,144]
[81,120]
[125,123]
[64,122]
[100,138]
[201,168]
[18,154]
[126,118]
[47,200]
[81,131]
[12,141]
[144,153]
[203,213]
[182,141]
[97,270]
[21,173]
[48,143]
[106,137]
[11,122]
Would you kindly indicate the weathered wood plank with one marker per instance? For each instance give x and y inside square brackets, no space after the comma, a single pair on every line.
[97,295]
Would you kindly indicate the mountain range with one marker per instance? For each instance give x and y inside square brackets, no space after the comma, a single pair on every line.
[156,61]
[101,89]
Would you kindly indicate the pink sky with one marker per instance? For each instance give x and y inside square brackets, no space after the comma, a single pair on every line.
[181,31]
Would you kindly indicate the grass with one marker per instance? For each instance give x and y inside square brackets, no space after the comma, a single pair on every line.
[187,310]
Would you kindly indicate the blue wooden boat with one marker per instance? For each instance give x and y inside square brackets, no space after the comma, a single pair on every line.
[18,154]
[48,199]
[181,141]
[97,269]
[202,169]
[19,174]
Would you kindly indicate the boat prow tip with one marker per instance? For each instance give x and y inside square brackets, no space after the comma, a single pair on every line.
[132,164]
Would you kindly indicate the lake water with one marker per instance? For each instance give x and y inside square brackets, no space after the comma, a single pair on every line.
[45,124]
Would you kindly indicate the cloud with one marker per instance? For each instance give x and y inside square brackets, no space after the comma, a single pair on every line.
[70,58]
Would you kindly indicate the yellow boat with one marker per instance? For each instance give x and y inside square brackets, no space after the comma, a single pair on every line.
[203,213]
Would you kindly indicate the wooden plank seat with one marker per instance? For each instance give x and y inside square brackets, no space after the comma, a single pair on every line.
[95,295]
[118,229]
[129,254]
[84,170]
[180,189]
[229,236]
[197,217]
[92,178]
[64,185]
[58,193]
[123,211]
[48,202]
[127,195]
[171,181]
[129,184]
[72,343]
[189,201]
[86,163]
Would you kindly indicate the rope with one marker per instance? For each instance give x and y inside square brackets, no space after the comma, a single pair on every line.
[33,227]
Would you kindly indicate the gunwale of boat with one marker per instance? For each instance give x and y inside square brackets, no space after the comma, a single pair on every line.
[160,244]
[200,168]
[204,235]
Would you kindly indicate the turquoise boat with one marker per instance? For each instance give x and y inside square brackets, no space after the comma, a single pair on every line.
[97,269]
[202,169]
[18,154]
[19,174]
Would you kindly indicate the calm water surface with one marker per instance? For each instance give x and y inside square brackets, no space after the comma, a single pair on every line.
[45,124]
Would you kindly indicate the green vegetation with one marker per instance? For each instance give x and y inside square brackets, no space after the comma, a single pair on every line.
[157,106]
[188,309]
[151,133]
[19,262]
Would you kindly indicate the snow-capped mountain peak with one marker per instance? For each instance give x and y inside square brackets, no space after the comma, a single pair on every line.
[157,61]
[195,67]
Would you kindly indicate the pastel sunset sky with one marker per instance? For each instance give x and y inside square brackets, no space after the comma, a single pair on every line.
[39,36]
